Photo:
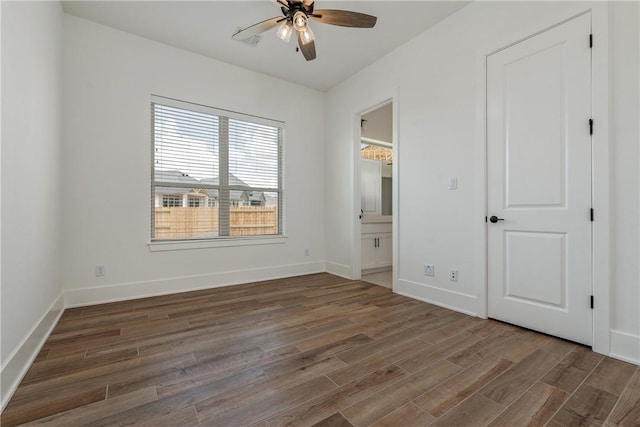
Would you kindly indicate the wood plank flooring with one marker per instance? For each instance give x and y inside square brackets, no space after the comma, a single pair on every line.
[314,350]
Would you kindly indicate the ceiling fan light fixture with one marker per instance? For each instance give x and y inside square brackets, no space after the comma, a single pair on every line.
[300,20]
[285,30]
[307,36]
[296,15]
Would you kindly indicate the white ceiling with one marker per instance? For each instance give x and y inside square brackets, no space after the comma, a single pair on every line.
[206,27]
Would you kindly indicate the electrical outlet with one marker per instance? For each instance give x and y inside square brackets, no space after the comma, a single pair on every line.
[428,270]
[307,251]
[100,270]
[453,275]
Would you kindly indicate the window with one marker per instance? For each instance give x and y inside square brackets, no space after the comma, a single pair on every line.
[194,202]
[171,201]
[225,166]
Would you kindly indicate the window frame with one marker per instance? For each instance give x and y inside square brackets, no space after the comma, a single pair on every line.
[159,244]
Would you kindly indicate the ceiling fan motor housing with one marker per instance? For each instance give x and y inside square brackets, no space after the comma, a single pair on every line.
[295,7]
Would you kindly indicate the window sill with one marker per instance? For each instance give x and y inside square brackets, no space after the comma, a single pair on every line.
[179,245]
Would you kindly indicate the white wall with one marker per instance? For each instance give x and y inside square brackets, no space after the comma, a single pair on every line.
[624,87]
[379,123]
[109,78]
[31,180]
[436,80]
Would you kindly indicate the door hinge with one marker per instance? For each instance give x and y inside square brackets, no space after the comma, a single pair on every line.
[591,301]
[590,126]
[591,40]
[591,214]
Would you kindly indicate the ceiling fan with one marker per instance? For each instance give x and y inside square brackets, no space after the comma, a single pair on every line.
[296,15]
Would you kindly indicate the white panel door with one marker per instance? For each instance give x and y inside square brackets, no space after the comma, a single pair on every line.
[370,187]
[539,182]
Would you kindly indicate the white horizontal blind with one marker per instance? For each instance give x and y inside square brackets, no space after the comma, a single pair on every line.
[215,173]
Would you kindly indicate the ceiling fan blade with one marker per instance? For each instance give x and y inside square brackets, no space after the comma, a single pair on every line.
[308,50]
[307,2]
[344,18]
[258,28]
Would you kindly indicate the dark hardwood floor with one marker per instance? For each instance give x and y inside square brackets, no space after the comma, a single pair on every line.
[312,350]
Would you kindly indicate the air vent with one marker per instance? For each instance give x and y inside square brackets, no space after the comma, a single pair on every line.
[252,41]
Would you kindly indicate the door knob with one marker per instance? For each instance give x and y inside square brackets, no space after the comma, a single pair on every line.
[495,219]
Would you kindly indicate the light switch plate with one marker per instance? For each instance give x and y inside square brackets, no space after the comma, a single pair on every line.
[428,270]
[453,183]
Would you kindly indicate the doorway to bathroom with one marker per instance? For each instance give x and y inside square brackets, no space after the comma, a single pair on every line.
[376,194]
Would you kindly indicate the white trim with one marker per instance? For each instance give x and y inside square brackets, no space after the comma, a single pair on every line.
[395,190]
[601,174]
[20,360]
[451,300]
[5,395]
[338,269]
[638,301]
[601,179]
[157,287]
[376,270]
[625,346]
[480,187]
[222,242]
[356,244]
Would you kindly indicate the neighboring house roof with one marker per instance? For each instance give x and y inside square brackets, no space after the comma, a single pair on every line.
[233,180]
[256,195]
[182,178]
[173,176]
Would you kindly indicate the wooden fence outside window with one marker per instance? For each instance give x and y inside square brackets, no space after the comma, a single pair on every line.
[202,222]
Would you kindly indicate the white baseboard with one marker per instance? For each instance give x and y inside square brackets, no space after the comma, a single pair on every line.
[625,346]
[376,270]
[20,360]
[150,288]
[455,301]
[338,269]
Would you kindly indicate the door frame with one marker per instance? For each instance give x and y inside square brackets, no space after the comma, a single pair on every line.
[356,246]
[600,175]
